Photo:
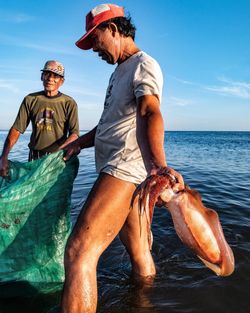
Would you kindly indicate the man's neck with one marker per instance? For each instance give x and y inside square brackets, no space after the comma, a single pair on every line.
[129,49]
[51,93]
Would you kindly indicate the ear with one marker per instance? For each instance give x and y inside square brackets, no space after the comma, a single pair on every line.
[113,28]
[61,82]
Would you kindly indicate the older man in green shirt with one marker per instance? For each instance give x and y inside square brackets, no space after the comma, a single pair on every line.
[53,115]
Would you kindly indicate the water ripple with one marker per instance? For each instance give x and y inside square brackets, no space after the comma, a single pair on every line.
[216,164]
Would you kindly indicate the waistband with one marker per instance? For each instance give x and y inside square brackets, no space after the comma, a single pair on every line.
[37,154]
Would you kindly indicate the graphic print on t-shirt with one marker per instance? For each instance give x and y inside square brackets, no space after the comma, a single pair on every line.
[45,119]
[108,93]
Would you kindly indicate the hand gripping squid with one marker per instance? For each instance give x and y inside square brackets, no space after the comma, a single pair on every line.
[198,227]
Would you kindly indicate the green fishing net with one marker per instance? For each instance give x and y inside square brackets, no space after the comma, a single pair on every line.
[35,223]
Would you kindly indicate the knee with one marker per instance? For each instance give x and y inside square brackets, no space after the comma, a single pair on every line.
[71,253]
[78,252]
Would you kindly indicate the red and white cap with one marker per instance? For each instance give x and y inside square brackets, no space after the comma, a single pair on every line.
[95,17]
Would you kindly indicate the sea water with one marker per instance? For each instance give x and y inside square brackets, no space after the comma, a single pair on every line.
[217,164]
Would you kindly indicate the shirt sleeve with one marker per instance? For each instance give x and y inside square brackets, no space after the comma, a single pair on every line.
[23,117]
[73,120]
[148,79]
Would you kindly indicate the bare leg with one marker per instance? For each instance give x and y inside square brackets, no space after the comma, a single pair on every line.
[137,245]
[101,219]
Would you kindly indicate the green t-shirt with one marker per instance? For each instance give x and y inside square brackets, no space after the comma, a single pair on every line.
[53,120]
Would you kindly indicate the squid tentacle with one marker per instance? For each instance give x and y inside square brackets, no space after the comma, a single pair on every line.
[198,227]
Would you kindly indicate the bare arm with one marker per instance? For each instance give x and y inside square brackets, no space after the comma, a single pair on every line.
[10,141]
[70,139]
[150,132]
[150,136]
[84,141]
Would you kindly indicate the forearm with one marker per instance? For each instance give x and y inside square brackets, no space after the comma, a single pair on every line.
[10,142]
[150,132]
[150,136]
[155,136]
[71,138]
[87,140]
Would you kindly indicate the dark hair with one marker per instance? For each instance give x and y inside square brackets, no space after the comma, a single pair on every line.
[124,26]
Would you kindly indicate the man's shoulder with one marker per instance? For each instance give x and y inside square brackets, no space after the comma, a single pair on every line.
[35,94]
[38,94]
[144,57]
[31,97]
[67,98]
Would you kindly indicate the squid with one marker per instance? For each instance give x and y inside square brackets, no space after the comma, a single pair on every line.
[198,227]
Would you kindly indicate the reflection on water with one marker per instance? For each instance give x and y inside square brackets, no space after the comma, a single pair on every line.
[217,165]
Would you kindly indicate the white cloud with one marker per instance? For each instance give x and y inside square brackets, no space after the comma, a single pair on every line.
[182,81]
[8,86]
[14,17]
[231,88]
[227,87]
[179,101]
[45,46]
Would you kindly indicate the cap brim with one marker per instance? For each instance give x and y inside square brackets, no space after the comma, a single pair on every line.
[43,70]
[84,42]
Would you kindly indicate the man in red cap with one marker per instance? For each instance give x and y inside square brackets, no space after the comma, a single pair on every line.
[128,144]
[53,115]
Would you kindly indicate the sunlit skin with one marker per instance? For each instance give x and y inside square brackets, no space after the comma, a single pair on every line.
[111,46]
[51,83]
[107,211]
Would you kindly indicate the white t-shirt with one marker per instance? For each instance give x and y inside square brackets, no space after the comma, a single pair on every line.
[116,149]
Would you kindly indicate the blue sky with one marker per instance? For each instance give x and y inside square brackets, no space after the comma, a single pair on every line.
[203,47]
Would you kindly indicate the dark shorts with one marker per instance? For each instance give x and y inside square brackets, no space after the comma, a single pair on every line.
[36,154]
